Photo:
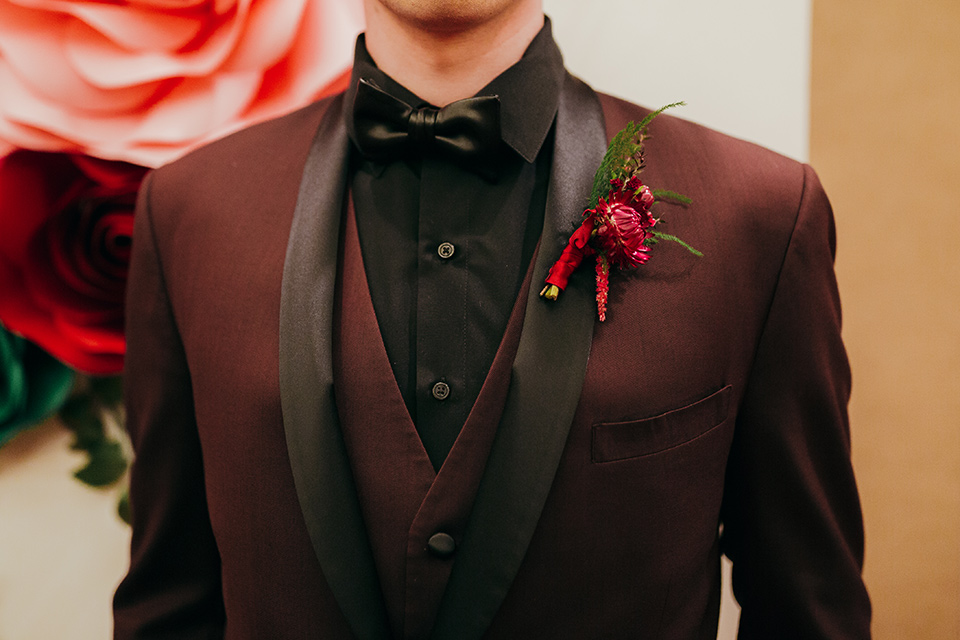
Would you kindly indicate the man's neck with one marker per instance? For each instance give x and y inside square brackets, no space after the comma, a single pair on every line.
[442,63]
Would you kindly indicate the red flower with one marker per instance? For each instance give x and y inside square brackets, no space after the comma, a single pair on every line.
[623,220]
[66,222]
[619,226]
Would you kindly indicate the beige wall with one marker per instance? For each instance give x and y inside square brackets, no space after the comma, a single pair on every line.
[62,548]
[885,140]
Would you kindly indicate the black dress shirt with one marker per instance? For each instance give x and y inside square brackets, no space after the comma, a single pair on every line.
[446,249]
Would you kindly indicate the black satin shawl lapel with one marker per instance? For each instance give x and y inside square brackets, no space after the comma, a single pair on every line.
[321,471]
[544,391]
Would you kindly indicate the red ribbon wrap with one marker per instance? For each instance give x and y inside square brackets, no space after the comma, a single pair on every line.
[572,255]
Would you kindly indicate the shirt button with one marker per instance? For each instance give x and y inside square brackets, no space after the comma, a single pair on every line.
[445,250]
[441,545]
[441,390]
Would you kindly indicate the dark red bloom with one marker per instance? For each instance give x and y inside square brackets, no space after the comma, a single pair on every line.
[618,227]
[66,222]
[623,220]
[618,230]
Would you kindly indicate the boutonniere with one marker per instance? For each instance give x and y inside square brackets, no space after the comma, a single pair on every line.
[619,227]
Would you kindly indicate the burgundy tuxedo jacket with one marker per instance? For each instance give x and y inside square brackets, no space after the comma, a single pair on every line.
[707,415]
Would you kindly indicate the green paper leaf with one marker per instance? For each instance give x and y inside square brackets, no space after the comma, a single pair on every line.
[123,506]
[13,383]
[107,465]
[109,390]
[33,385]
[80,414]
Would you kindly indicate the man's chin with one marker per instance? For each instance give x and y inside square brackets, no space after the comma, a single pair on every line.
[450,15]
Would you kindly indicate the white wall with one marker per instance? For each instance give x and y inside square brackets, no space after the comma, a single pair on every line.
[741,66]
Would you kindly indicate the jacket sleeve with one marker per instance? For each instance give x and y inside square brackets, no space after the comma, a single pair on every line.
[792,523]
[172,589]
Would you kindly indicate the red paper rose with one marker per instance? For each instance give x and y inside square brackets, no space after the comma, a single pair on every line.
[67,221]
[145,81]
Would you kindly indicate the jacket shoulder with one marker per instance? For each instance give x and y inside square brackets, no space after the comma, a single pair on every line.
[763,188]
[266,140]
[677,130]
[260,158]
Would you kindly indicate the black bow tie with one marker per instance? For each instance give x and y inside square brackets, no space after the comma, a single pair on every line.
[466,131]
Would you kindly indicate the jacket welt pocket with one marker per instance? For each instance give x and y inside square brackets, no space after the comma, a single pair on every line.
[636,438]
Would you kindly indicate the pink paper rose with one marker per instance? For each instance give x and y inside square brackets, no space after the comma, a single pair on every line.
[146,80]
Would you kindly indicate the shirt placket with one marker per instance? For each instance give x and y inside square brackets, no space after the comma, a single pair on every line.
[443,401]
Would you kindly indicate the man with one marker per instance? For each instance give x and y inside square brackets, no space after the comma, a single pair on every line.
[354,417]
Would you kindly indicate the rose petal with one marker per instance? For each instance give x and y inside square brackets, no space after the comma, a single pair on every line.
[91,349]
[32,138]
[39,326]
[111,176]
[30,119]
[98,60]
[63,265]
[151,154]
[72,133]
[320,55]
[268,34]
[86,107]
[109,245]
[194,108]
[104,340]
[150,5]
[140,29]
[35,73]
[176,5]
[53,285]
[27,195]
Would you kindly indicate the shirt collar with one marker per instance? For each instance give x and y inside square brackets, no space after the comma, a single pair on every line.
[529,91]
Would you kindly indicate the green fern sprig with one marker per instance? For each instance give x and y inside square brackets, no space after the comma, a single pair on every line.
[653,114]
[624,156]
[670,196]
[657,236]
[623,145]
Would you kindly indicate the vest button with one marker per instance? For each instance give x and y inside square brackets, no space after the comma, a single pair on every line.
[445,250]
[440,390]
[441,545]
